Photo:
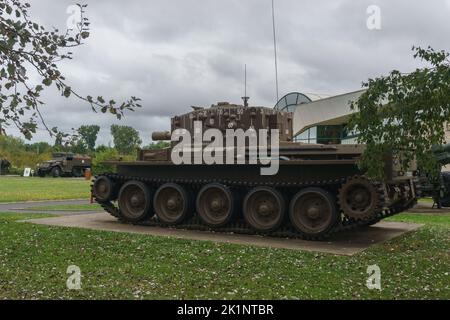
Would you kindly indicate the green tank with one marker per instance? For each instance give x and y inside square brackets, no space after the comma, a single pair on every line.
[318,190]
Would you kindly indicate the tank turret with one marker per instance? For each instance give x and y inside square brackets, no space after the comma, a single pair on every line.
[224,115]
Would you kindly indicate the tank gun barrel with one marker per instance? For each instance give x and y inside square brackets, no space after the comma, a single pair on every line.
[161,136]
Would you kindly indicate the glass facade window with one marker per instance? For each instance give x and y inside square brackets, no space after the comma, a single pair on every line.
[353,140]
[308,136]
[329,134]
[291,101]
[332,134]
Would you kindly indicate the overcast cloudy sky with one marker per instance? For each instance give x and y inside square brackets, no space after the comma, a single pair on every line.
[178,53]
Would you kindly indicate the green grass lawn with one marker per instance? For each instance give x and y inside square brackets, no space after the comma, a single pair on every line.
[13,189]
[429,200]
[34,260]
[68,207]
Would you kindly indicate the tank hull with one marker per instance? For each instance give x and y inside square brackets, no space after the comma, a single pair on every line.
[287,173]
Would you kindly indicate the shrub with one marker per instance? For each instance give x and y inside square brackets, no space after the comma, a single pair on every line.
[101,156]
[107,154]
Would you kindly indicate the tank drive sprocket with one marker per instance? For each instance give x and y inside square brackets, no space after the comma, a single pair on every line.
[360,198]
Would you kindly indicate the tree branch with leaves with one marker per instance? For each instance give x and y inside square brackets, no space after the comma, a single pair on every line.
[404,113]
[27,47]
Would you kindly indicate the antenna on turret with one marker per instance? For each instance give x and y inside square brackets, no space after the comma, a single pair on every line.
[245,98]
[275,49]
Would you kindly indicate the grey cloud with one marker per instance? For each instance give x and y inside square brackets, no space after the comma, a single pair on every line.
[177,53]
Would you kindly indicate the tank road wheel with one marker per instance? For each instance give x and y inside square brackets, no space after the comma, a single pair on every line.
[264,209]
[134,201]
[359,198]
[215,205]
[172,204]
[103,189]
[312,212]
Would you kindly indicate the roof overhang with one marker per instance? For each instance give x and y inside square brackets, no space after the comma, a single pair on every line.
[329,111]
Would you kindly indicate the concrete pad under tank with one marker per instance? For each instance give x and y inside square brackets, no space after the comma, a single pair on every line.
[347,243]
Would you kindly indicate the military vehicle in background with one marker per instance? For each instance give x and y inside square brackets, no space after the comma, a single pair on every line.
[319,190]
[64,164]
[4,166]
[437,188]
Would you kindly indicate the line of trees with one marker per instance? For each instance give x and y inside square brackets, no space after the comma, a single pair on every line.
[126,142]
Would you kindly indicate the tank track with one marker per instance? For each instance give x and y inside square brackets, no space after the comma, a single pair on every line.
[240,226]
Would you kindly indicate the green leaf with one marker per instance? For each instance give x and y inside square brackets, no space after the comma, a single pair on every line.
[84,34]
[11,69]
[67,92]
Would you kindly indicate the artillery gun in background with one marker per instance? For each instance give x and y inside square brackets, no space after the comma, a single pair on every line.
[318,191]
[437,188]
[64,164]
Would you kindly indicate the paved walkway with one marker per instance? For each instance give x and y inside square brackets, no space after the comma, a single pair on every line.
[426,207]
[23,206]
[344,244]
[347,243]
[421,207]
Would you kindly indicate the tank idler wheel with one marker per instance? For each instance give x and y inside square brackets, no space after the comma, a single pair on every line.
[104,189]
[134,201]
[172,204]
[264,209]
[215,205]
[359,199]
[312,212]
